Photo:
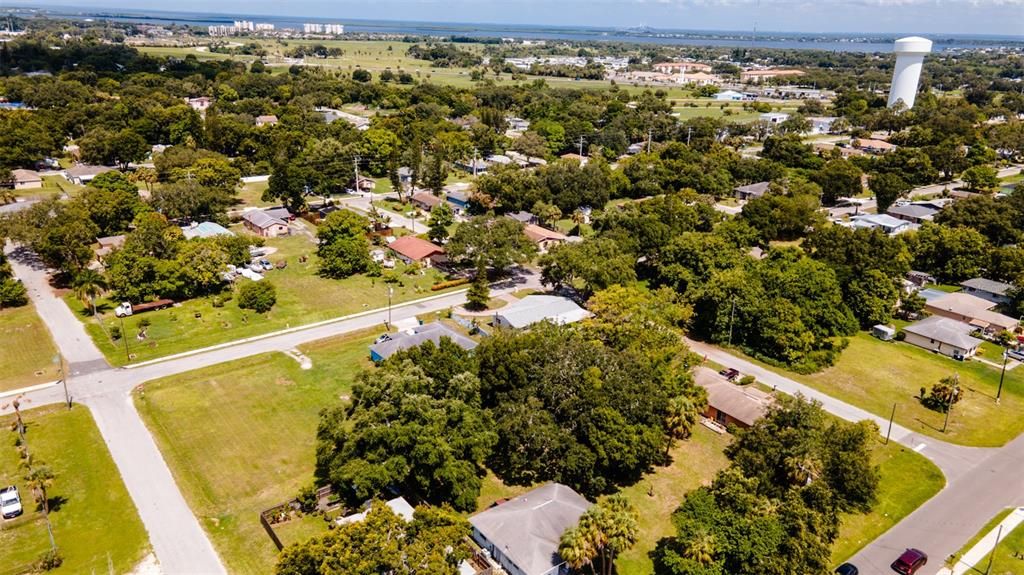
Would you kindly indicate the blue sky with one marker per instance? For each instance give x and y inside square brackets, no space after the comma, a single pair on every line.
[883,16]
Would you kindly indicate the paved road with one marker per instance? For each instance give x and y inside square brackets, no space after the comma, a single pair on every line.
[362,203]
[980,482]
[179,542]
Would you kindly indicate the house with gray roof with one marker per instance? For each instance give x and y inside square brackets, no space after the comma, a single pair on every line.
[991,290]
[886,223]
[522,534]
[943,335]
[537,308]
[416,337]
[751,191]
[913,213]
[730,404]
[265,225]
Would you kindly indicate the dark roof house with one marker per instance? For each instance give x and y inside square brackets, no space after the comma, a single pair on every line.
[991,290]
[751,191]
[416,337]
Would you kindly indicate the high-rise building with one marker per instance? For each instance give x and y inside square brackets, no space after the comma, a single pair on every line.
[264,27]
[910,53]
[309,28]
[334,28]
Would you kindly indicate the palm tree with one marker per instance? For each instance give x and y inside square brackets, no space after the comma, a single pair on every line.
[680,417]
[576,549]
[603,532]
[39,478]
[88,285]
[701,548]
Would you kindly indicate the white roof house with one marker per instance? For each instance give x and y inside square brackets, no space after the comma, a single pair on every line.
[398,505]
[537,308]
[522,534]
[886,223]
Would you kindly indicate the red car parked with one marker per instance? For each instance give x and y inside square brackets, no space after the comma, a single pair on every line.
[910,561]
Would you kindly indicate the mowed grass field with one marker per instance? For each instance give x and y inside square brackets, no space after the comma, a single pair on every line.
[241,437]
[303,297]
[26,351]
[875,375]
[95,524]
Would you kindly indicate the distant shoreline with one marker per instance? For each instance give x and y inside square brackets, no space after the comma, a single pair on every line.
[836,42]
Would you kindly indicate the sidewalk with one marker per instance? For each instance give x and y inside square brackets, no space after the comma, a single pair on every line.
[977,556]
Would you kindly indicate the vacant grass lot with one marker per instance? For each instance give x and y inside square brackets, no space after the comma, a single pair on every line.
[659,493]
[240,437]
[908,479]
[302,297]
[26,351]
[251,195]
[874,375]
[95,523]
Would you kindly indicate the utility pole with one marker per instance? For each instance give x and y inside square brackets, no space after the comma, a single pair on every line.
[689,133]
[391,292]
[355,164]
[474,162]
[63,378]
[1002,374]
[732,314]
[953,393]
[650,134]
[992,554]
[581,146]
[124,336]
[891,417]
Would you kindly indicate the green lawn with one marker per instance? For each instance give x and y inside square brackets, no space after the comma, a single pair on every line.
[53,186]
[694,463]
[908,479]
[302,297]
[251,195]
[977,536]
[239,438]
[874,375]
[26,351]
[1008,558]
[95,523]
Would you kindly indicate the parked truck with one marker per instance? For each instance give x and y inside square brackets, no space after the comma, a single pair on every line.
[126,309]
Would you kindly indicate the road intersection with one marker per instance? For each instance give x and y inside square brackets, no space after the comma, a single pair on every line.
[980,482]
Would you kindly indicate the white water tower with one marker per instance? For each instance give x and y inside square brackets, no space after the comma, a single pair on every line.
[910,53]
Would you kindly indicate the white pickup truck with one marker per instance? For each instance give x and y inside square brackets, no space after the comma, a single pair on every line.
[10,502]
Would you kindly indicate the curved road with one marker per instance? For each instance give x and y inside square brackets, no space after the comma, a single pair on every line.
[980,482]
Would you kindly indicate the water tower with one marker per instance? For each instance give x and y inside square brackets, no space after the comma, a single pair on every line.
[910,53]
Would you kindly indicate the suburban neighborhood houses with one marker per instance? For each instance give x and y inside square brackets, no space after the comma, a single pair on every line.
[461,299]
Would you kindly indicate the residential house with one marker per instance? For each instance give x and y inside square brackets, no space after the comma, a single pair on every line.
[730,96]
[636,148]
[537,308]
[872,146]
[364,184]
[199,104]
[730,404]
[993,291]
[360,123]
[82,174]
[264,225]
[425,201]
[774,117]
[581,159]
[821,124]
[751,191]
[887,224]
[280,213]
[416,337]
[973,310]
[524,217]
[459,201]
[27,179]
[543,237]
[205,230]
[523,533]
[405,176]
[268,120]
[475,166]
[412,249]
[913,213]
[106,245]
[398,505]
[943,335]
[516,124]
[500,159]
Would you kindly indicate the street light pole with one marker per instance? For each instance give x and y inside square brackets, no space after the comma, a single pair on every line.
[63,378]
[732,314]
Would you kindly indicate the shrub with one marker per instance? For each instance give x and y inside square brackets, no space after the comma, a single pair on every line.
[449,284]
[115,332]
[49,560]
[258,296]
[12,293]
[747,380]
[943,395]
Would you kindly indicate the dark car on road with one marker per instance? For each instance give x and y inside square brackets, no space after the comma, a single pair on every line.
[729,374]
[910,561]
[847,569]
